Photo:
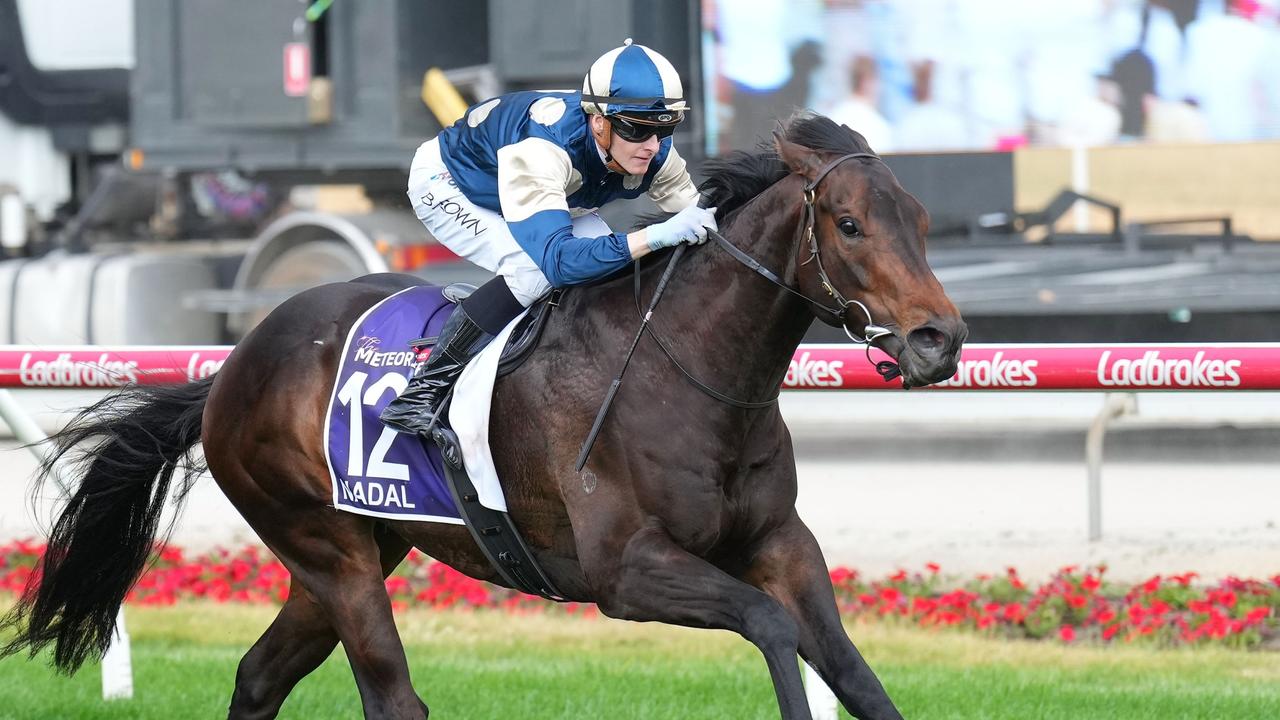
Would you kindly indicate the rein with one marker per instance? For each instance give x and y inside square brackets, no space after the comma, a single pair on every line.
[744,404]
[888,369]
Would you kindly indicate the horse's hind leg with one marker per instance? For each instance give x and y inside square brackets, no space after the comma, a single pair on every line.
[299,639]
[336,557]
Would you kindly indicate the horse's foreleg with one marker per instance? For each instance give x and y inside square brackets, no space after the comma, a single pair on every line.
[299,639]
[789,566]
[657,580]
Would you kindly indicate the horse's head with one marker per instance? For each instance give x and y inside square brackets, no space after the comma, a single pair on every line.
[868,248]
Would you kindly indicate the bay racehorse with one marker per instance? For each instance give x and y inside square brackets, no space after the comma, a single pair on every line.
[684,513]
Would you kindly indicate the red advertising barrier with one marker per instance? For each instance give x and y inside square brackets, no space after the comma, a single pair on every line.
[89,366]
[1237,366]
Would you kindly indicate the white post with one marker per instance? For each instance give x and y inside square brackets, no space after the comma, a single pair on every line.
[117,670]
[822,702]
[1114,405]
[27,431]
[117,665]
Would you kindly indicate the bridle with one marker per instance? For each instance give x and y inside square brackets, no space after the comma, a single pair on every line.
[888,369]
[870,331]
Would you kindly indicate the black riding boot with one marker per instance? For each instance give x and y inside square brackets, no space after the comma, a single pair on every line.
[414,411]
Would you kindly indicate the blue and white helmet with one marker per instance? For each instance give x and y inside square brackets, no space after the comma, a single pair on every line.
[634,80]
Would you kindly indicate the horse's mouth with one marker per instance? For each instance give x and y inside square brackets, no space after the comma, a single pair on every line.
[917,370]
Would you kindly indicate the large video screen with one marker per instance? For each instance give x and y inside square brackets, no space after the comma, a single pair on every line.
[937,75]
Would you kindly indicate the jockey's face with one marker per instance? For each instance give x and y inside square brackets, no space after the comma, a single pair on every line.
[634,157]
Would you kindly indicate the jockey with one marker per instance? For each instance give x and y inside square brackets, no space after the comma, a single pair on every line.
[513,186]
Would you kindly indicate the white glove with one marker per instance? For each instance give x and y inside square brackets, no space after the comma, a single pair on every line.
[689,226]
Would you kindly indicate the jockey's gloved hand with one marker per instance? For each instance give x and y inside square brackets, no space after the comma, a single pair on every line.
[687,226]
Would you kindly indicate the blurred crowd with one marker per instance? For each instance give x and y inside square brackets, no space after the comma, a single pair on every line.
[929,75]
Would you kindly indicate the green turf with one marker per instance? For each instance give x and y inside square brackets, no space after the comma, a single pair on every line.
[492,665]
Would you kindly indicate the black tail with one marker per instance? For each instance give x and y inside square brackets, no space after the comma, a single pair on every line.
[125,448]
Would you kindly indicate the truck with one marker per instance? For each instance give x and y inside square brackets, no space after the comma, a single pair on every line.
[173,169]
[170,170]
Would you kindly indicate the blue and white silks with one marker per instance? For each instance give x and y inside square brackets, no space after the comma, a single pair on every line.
[530,157]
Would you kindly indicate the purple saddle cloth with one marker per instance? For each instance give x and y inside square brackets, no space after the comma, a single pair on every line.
[376,470]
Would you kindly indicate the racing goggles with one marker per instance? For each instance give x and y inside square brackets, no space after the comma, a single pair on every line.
[636,130]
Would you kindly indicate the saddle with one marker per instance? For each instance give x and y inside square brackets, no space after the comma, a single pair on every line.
[524,338]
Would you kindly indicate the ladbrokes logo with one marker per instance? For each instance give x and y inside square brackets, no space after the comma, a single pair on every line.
[1151,370]
[996,372]
[199,368]
[807,372]
[62,371]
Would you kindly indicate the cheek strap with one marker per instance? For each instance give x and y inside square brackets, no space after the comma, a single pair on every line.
[605,139]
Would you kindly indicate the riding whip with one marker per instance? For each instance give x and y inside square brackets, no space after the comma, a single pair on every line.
[617,382]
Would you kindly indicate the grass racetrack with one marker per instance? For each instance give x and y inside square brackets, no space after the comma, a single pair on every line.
[479,665]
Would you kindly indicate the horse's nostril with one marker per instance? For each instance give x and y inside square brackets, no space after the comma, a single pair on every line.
[927,340]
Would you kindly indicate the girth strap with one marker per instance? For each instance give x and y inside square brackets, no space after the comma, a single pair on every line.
[493,531]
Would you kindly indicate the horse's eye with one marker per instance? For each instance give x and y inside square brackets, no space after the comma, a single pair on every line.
[849,227]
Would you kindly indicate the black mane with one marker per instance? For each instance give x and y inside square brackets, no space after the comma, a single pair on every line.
[736,178]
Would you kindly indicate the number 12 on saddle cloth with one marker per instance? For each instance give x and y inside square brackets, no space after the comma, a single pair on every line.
[376,470]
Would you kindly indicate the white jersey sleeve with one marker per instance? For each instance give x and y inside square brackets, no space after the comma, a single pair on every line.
[534,175]
[535,179]
[672,188]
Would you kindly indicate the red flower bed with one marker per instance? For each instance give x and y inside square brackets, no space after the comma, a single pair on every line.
[253,575]
[1075,605]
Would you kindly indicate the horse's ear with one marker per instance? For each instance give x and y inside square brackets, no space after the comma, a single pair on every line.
[800,159]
